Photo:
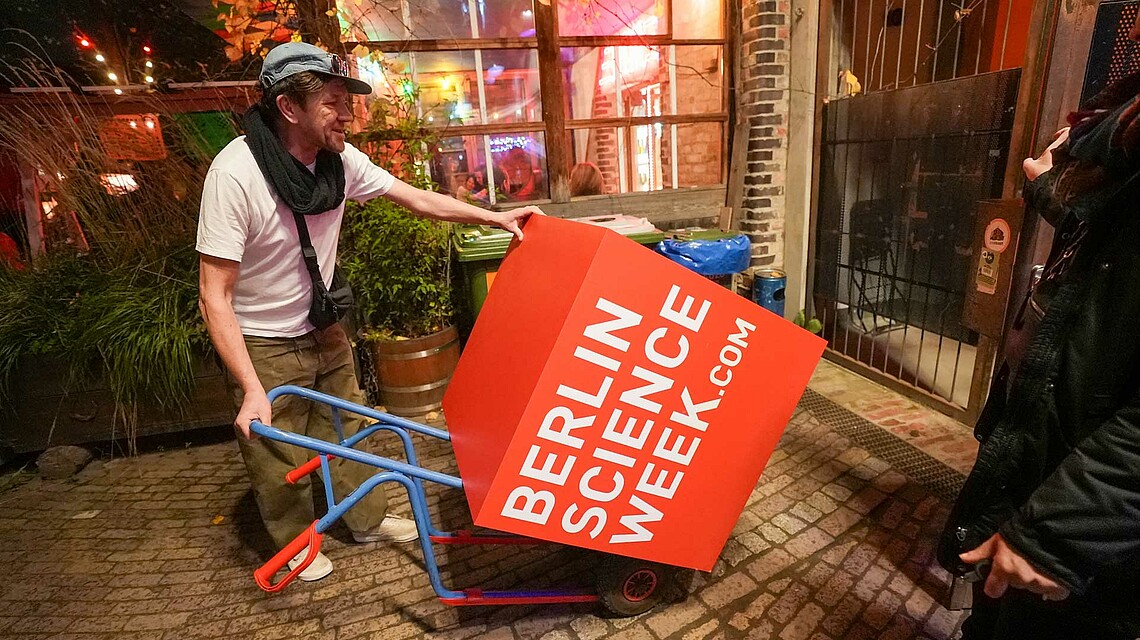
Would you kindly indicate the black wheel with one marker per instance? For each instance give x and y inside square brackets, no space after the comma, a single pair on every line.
[628,587]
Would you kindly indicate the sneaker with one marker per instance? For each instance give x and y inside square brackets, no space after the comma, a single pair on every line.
[319,568]
[392,529]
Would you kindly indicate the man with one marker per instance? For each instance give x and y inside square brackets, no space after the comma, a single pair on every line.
[255,290]
[1052,506]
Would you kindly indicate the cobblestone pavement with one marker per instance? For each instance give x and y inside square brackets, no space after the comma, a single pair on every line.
[835,543]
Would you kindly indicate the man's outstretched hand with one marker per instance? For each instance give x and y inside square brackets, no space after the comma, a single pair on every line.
[513,220]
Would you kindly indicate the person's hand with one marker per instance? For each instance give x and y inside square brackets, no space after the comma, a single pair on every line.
[1011,570]
[255,406]
[512,220]
[1034,167]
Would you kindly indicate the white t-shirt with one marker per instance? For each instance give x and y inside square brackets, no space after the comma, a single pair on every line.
[243,220]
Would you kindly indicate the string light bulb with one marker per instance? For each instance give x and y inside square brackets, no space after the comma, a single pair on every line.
[118,92]
[113,76]
[150,79]
[100,58]
[149,64]
[146,48]
[84,42]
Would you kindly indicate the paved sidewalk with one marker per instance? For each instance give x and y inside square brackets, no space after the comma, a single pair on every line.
[836,543]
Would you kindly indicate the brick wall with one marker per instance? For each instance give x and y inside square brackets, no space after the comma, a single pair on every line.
[603,146]
[763,104]
[699,91]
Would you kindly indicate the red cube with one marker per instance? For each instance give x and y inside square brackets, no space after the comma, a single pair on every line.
[610,399]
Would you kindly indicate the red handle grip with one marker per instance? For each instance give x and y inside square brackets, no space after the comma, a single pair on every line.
[300,472]
[308,538]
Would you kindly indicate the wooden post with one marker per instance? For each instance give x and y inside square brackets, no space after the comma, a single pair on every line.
[553,100]
[1031,91]
[1065,77]
[1027,119]
[737,166]
[824,56]
[802,126]
[33,218]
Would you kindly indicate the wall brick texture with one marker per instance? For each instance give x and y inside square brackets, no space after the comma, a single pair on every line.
[763,104]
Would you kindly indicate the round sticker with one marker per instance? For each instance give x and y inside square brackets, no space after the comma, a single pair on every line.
[997,235]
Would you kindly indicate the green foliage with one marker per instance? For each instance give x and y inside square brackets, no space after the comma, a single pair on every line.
[115,294]
[136,327]
[398,263]
[813,324]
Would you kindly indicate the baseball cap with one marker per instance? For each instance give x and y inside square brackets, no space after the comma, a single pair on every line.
[289,58]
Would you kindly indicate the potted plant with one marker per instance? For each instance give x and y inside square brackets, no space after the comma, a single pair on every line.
[399,267]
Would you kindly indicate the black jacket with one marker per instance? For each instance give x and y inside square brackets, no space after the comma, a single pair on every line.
[1058,472]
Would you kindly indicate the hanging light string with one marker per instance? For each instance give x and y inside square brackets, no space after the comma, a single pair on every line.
[148,70]
[86,44]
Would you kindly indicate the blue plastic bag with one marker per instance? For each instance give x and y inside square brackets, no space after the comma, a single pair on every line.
[709,257]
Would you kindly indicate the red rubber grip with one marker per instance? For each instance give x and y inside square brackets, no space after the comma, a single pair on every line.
[300,472]
[308,538]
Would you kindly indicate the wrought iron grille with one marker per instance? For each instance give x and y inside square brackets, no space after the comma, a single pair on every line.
[900,174]
[1112,55]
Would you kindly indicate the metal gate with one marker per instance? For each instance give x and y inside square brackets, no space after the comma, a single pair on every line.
[917,132]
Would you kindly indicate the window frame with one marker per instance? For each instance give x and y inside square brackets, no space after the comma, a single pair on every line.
[555,124]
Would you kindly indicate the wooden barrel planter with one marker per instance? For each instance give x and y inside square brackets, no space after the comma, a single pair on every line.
[413,374]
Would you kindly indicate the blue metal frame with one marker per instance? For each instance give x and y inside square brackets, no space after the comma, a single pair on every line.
[409,474]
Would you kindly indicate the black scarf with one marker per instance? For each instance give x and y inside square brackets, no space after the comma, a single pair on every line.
[305,193]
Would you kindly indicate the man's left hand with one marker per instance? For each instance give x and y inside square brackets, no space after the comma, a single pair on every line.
[512,220]
[1034,167]
[1010,569]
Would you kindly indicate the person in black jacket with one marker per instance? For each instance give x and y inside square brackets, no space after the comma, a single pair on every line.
[1052,506]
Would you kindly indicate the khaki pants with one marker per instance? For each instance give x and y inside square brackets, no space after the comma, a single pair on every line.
[322,361]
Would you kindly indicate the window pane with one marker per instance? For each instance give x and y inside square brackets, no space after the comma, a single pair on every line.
[386,77]
[386,20]
[580,77]
[699,149]
[600,148]
[505,18]
[519,166]
[510,79]
[459,168]
[371,20]
[697,19]
[700,86]
[611,17]
[439,19]
[649,157]
[597,76]
[448,86]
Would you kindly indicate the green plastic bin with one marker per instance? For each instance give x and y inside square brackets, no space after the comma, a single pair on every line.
[480,249]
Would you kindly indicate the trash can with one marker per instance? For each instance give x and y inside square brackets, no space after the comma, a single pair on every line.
[713,253]
[479,249]
[768,287]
